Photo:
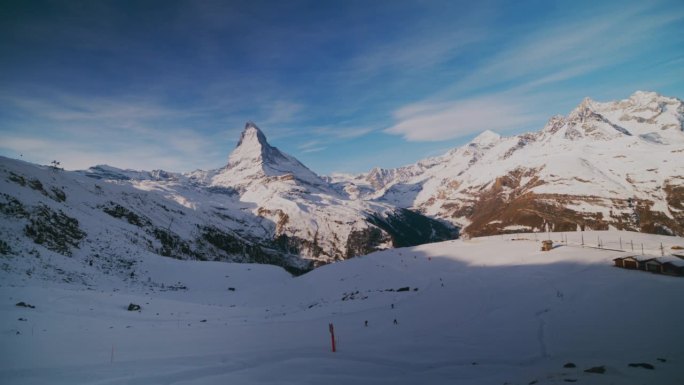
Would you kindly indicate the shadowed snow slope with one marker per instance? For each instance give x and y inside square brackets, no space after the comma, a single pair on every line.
[486,310]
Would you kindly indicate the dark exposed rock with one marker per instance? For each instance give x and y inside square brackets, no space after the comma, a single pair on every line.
[366,241]
[12,207]
[569,365]
[5,248]
[24,304]
[54,230]
[641,365]
[408,228]
[118,211]
[222,240]
[596,369]
[134,307]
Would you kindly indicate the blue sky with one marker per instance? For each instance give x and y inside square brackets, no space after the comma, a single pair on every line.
[342,85]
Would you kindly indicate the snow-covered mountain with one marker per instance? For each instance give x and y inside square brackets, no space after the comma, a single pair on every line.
[618,164]
[263,206]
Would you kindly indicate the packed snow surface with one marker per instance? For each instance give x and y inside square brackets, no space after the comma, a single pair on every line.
[481,311]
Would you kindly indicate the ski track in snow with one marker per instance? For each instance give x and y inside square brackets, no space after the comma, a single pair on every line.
[541,333]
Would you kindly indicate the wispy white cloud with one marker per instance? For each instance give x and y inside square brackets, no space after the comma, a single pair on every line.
[506,91]
[313,149]
[329,135]
[417,52]
[449,120]
[77,155]
[81,132]
[566,49]
[342,132]
[309,144]
[280,112]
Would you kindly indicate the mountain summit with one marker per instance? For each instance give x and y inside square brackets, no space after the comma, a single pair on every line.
[252,138]
[487,138]
[254,158]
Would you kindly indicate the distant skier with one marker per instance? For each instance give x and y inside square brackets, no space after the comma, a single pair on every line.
[392,306]
[365,323]
[395,321]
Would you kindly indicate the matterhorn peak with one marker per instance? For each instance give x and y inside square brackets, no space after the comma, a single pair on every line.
[252,136]
[253,158]
[253,147]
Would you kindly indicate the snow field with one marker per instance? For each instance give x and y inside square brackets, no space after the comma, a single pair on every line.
[487,310]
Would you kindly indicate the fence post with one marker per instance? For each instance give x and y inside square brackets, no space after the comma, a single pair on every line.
[642,249]
[662,250]
[631,243]
[332,336]
[620,243]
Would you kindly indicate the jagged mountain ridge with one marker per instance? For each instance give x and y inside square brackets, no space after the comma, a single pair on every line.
[263,206]
[618,164]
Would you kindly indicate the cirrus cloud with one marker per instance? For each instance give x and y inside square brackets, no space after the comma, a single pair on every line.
[449,120]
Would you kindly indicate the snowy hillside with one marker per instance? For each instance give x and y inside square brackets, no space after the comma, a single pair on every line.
[616,164]
[490,310]
[263,206]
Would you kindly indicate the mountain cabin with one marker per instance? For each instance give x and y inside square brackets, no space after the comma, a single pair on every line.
[627,263]
[668,265]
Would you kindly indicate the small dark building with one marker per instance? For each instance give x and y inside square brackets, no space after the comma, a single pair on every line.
[630,263]
[669,265]
[672,269]
[653,265]
[672,265]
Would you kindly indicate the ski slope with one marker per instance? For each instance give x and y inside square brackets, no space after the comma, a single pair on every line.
[487,310]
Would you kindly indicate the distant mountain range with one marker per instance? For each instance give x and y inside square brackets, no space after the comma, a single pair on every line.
[617,164]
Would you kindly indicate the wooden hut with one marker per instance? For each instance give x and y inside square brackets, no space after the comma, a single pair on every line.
[630,263]
[547,245]
[669,265]
[653,265]
[672,266]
